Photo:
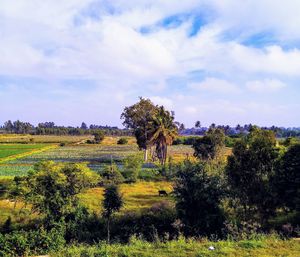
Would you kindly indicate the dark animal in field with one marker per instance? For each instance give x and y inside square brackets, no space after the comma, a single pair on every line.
[162,193]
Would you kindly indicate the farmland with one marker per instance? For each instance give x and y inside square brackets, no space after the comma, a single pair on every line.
[138,196]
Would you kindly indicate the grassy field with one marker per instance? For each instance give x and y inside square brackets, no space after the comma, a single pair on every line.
[137,196]
[261,246]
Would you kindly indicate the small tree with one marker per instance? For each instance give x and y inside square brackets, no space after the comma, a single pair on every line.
[198,197]
[287,179]
[210,145]
[98,136]
[112,203]
[52,189]
[112,175]
[132,167]
[249,170]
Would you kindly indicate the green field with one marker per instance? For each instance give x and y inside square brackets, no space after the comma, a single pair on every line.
[7,150]
[25,139]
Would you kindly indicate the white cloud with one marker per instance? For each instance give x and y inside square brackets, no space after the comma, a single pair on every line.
[215,85]
[41,40]
[166,102]
[265,86]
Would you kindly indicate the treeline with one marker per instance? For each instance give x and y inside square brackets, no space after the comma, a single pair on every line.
[49,128]
[240,130]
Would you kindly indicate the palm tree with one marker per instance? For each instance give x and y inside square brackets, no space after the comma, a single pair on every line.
[164,131]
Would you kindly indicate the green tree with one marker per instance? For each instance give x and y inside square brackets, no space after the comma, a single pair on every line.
[52,188]
[209,146]
[112,175]
[98,136]
[138,117]
[287,179]
[132,166]
[198,196]
[112,203]
[249,171]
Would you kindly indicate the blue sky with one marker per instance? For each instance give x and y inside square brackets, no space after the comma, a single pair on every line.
[226,62]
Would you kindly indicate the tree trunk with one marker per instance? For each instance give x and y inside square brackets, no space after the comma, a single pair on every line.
[108,230]
[145,155]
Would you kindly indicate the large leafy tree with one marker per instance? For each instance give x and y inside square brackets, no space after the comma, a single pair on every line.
[164,131]
[152,126]
[249,171]
[198,198]
[138,117]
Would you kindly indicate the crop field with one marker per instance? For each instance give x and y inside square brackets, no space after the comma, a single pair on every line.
[94,155]
[24,139]
[11,152]
[138,196]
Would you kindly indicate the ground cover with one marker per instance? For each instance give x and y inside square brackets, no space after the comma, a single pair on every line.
[261,246]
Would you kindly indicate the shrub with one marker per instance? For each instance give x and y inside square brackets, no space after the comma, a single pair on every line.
[132,167]
[122,141]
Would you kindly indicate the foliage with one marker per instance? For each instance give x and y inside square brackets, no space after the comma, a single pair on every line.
[164,131]
[52,189]
[112,203]
[152,126]
[198,197]
[138,117]
[98,136]
[287,179]
[185,140]
[122,141]
[132,167]
[34,242]
[210,145]
[249,172]
[111,174]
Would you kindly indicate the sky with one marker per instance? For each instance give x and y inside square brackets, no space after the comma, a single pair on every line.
[224,62]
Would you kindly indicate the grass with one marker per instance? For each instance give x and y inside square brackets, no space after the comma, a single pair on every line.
[137,196]
[262,246]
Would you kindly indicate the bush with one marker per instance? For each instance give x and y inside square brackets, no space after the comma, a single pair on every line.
[132,167]
[34,242]
[122,141]
[111,174]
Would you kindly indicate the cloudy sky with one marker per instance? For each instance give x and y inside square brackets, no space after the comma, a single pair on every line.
[226,61]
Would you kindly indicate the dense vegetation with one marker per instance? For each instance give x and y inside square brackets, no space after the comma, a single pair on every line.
[246,200]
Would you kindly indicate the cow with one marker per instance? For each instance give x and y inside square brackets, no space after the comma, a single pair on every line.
[162,193]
